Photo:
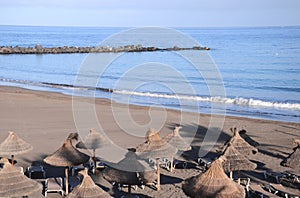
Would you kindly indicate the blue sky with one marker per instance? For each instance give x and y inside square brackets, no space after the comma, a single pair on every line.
[138,13]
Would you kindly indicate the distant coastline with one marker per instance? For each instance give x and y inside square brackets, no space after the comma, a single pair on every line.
[38,49]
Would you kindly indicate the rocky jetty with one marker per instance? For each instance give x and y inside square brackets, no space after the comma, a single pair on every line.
[38,49]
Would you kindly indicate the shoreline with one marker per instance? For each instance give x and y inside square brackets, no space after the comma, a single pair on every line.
[145,106]
[44,119]
[52,98]
[59,96]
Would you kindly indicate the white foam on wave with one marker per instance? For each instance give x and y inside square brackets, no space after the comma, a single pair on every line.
[237,101]
[216,99]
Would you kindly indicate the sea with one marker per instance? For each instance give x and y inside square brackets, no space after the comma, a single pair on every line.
[256,69]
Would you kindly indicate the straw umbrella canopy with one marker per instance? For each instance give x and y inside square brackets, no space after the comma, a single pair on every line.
[87,188]
[240,144]
[129,170]
[293,160]
[66,156]
[15,184]
[177,141]
[13,145]
[132,163]
[213,183]
[155,147]
[93,141]
[235,161]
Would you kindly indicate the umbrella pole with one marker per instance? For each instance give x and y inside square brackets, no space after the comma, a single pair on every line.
[171,169]
[95,163]
[158,174]
[129,191]
[231,175]
[12,159]
[67,180]
[239,177]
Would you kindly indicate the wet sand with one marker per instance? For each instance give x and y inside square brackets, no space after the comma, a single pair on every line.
[45,119]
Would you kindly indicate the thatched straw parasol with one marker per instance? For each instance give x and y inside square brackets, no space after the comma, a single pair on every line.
[293,160]
[93,141]
[128,171]
[240,144]
[177,141]
[214,183]
[132,163]
[87,188]
[235,161]
[15,184]
[67,156]
[13,145]
[155,148]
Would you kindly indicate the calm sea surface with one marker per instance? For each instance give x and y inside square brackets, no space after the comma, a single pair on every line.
[260,68]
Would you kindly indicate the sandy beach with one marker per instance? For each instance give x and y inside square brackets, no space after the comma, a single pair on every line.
[45,119]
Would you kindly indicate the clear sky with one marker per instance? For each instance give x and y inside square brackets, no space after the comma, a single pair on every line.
[138,13]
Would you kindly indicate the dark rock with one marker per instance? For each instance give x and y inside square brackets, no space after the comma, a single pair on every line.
[38,49]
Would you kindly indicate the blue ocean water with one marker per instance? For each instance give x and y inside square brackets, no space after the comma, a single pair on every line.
[260,68]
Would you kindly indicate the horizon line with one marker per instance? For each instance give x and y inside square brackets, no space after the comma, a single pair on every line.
[80,26]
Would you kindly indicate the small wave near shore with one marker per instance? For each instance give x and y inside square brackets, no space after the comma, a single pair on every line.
[211,99]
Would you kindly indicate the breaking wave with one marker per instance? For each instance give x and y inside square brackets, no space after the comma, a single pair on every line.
[216,99]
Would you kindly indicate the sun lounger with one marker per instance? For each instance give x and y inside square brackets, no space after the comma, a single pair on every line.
[74,181]
[152,163]
[287,178]
[36,172]
[293,177]
[134,187]
[100,165]
[54,185]
[76,169]
[273,175]
[278,189]
[165,163]
[179,164]
[205,162]
[258,190]
[244,181]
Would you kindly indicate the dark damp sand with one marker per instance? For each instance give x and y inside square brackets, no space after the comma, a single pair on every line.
[45,119]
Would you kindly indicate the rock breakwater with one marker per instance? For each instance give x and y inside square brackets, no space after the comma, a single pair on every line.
[38,49]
